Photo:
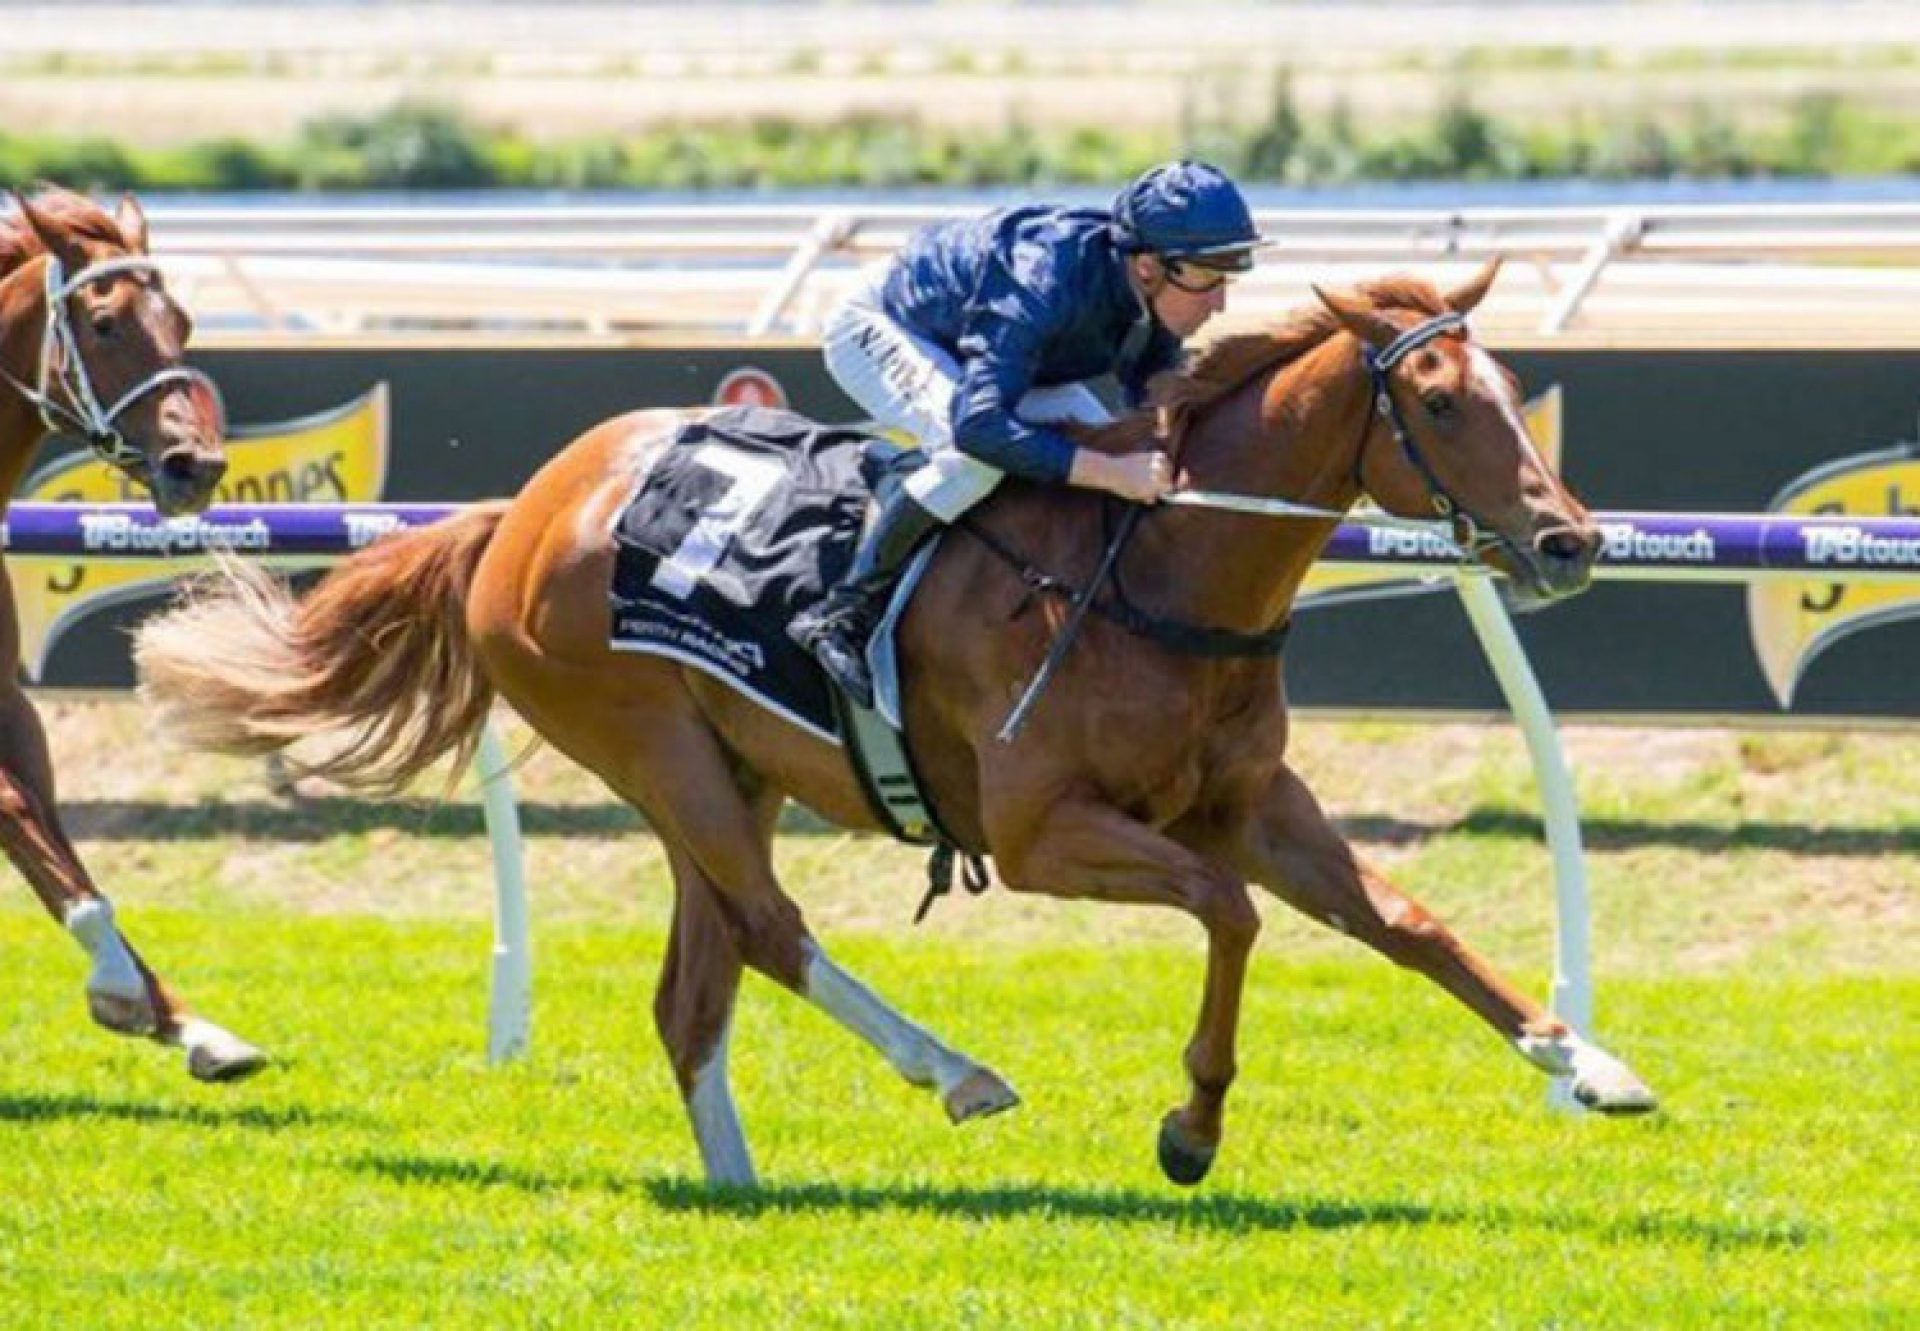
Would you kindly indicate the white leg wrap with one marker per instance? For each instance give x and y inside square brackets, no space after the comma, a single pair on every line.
[915,1054]
[1600,1081]
[199,1033]
[1552,1054]
[114,973]
[716,1123]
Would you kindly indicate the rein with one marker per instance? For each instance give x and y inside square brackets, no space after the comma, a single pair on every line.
[1457,524]
[61,366]
[1173,634]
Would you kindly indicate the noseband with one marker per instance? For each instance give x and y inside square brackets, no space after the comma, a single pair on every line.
[62,367]
[1473,535]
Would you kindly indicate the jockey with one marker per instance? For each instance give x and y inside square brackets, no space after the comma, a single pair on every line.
[981,332]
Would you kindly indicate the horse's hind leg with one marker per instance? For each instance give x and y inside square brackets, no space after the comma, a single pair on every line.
[123,993]
[699,982]
[666,761]
[967,1090]
[1293,850]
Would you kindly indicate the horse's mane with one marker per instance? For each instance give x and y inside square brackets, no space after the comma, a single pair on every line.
[1228,363]
[76,214]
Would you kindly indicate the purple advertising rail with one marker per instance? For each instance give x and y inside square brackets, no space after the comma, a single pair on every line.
[1722,546]
[137,531]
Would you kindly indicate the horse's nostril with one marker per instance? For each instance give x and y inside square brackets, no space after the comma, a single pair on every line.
[187,466]
[1563,546]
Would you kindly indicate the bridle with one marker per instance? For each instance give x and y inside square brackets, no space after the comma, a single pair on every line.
[63,368]
[1471,533]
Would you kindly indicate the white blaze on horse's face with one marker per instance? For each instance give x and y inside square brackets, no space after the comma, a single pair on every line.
[1449,438]
[112,362]
[1551,539]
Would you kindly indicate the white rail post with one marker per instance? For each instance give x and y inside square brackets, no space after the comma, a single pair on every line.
[510,1013]
[1560,810]
[829,233]
[1622,230]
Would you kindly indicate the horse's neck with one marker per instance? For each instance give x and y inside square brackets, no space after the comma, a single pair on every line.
[22,328]
[1293,435]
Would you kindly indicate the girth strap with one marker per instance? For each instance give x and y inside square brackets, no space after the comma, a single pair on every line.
[973,874]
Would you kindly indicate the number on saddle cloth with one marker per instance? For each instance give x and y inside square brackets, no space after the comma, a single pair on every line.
[746,518]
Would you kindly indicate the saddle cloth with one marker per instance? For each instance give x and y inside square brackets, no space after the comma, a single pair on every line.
[747,517]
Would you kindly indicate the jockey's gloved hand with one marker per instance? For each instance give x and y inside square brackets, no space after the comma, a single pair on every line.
[1142,478]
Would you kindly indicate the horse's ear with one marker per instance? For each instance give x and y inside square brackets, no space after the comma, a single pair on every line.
[132,221]
[1470,293]
[1357,315]
[37,222]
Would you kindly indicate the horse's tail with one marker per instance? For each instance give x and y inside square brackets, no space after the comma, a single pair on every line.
[375,661]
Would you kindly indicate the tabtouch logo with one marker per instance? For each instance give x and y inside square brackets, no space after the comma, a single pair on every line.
[1627,543]
[1793,622]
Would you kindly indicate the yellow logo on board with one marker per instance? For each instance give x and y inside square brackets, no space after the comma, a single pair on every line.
[1793,622]
[338,456]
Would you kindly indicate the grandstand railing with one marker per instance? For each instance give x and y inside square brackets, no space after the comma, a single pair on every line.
[1849,272]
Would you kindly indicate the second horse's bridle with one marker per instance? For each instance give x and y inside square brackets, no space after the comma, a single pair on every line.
[62,368]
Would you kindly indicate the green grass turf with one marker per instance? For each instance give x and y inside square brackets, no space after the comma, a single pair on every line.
[1387,1162]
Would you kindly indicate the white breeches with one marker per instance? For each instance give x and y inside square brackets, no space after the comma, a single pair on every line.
[906,383]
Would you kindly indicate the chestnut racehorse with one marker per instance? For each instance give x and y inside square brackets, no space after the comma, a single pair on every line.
[92,344]
[1145,775]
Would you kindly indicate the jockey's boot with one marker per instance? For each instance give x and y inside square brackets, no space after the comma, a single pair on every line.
[837,629]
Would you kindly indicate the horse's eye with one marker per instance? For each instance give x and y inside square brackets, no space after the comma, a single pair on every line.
[1439,405]
[102,325]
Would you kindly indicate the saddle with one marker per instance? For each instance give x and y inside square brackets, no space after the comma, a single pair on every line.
[747,517]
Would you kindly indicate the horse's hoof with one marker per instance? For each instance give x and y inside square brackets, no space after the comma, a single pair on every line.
[123,1014]
[1611,1088]
[214,1055]
[1599,1081]
[1184,1158]
[977,1095]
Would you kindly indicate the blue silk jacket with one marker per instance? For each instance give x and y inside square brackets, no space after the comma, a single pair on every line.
[1026,298]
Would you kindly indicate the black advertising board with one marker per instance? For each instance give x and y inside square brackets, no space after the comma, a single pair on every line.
[1734,430]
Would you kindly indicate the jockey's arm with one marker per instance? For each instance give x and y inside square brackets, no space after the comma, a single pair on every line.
[997,358]
[996,373]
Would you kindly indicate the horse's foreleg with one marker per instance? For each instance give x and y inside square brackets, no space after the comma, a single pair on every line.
[123,992]
[1292,849]
[1082,849]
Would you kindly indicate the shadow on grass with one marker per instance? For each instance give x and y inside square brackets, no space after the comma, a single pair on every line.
[1225,1212]
[1495,823]
[309,820]
[1222,1211]
[1212,1210]
[30,1109]
[1004,1202]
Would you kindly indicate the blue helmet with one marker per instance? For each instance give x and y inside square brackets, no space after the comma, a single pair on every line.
[1187,210]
